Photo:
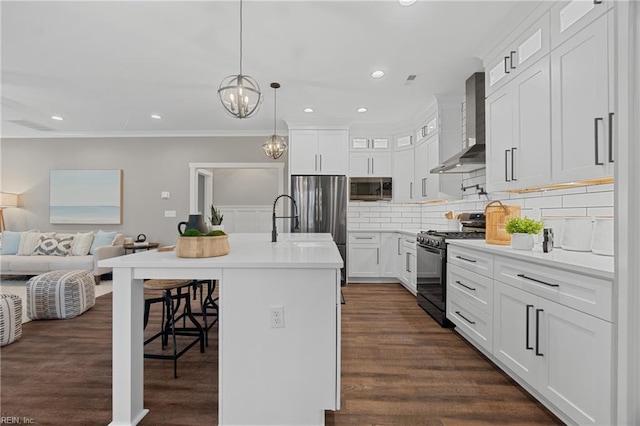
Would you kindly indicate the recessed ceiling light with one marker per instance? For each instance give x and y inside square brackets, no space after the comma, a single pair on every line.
[57,117]
[362,109]
[156,117]
[308,110]
[377,74]
[406,2]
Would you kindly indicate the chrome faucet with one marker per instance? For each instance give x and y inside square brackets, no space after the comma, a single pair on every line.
[274,231]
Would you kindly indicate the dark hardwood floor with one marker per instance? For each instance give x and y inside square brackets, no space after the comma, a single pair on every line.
[398,368]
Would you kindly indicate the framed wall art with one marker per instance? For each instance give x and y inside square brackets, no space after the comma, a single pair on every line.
[86,197]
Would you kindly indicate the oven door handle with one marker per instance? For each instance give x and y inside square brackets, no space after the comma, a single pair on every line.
[432,250]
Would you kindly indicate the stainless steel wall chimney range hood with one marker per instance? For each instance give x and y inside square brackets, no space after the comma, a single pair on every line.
[472,157]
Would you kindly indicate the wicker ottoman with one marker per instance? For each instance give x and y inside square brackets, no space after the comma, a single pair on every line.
[60,294]
[10,318]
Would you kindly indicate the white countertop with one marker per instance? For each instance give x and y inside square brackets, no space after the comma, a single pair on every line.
[406,231]
[247,251]
[581,262]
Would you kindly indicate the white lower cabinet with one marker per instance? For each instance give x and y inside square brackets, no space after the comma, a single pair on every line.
[382,257]
[548,328]
[562,353]
[389,249]
[364,255]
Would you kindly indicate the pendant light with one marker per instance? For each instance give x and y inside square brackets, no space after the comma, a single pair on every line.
[240,94]
[275,145]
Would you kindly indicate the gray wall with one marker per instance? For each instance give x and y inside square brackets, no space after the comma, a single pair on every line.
[150,166]
[245,187]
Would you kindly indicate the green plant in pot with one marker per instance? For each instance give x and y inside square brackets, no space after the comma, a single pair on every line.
[216,218]
[522,231]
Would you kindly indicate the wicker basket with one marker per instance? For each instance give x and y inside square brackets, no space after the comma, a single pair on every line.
[496,216]
[202,246]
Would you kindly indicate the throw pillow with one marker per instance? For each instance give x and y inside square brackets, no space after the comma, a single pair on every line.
[82,244]
[52,246]
[102,239]
[29,241]
[10,242]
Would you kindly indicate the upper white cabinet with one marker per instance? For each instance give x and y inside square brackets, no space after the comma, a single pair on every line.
[370,164]
[319,152]
[582,78]
[376,144]
[404,142]
[519,131]
[569,17]
[403,186]
[520,52]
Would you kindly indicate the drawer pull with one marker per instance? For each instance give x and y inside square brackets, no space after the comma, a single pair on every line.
[527,335]
[538,353]
[364,238]
[465,286]
[538,281]
[465,318]
[465,259]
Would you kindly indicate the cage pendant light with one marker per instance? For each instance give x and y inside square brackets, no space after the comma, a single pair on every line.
[240,94]
[275,145]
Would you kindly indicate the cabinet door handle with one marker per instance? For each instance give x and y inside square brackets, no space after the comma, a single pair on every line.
[465,318]
[538,353]
[506,165]
[611,137]
[538,281]
[320,163]
[368,166]
[511,59]
[315,163]
[373,166]
[597,1]
[506,67]
[399,252]
[513,163]
[364,238]
[377,255]
[411,190]
[465,286]
[465,259]
[406,263]
[595,138]
[527,330]
[424,189]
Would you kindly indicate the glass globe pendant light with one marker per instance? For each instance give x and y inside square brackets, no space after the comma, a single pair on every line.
[240,94]
[275,145]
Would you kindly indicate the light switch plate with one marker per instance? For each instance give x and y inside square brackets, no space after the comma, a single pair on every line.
[165,195]
[169,213]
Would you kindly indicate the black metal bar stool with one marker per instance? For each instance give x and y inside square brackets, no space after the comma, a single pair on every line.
[208,305]
[171,304]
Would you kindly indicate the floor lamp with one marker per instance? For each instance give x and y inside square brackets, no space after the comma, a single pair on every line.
[6,200]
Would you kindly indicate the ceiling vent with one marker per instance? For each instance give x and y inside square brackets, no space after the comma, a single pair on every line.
[410,79]
[32,125]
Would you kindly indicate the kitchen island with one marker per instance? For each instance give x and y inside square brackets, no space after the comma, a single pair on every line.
[284,376]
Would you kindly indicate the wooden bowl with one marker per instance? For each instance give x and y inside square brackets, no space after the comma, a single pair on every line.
[202,246]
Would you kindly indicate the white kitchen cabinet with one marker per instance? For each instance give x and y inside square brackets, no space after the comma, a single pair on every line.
[562,353]
[570,17]
[521,52]
[582,103]
[519,131]
[403,186]
[318,152]
[364,255]
[421,170]
[407,266]
[375,144]
[388,254]
[404,142]
[370,164]
[432,186]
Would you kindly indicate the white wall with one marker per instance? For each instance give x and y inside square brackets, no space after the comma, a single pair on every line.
[150,165]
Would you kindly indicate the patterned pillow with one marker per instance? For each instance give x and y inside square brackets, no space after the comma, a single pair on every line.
[52,246]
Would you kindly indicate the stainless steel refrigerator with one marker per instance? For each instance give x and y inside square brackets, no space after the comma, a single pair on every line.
[322,207]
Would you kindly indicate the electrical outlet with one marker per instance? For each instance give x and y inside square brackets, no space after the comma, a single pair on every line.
[277,316]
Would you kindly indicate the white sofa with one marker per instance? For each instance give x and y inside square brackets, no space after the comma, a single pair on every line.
[14,264]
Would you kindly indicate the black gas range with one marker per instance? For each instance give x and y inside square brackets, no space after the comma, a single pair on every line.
[432,268]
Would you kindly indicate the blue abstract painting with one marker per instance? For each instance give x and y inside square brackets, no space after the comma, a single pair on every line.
[86,197]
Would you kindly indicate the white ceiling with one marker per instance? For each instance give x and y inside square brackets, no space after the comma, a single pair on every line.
[105,67]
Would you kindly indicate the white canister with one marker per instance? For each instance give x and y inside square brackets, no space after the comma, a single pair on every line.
[577,233]
[557,224]
[602,241]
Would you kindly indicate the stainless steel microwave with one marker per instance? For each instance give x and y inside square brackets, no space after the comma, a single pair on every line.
[370,189]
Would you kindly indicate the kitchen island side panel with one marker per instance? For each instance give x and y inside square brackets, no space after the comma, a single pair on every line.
[278,376]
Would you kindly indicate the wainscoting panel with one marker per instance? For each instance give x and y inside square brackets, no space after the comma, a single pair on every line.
[246,219]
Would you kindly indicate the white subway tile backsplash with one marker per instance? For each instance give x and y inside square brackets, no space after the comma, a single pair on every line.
[380,220]
[370,226]
[566,191]
[600,188]
[380,209]
[600,211]
[353,214]
[564,212]
[595,199]
[411,214]
[370,214]
[390,214]
[543,202]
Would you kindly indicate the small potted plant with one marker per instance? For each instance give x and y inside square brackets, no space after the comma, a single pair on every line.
[216,219]
[193,243]
[522,232]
